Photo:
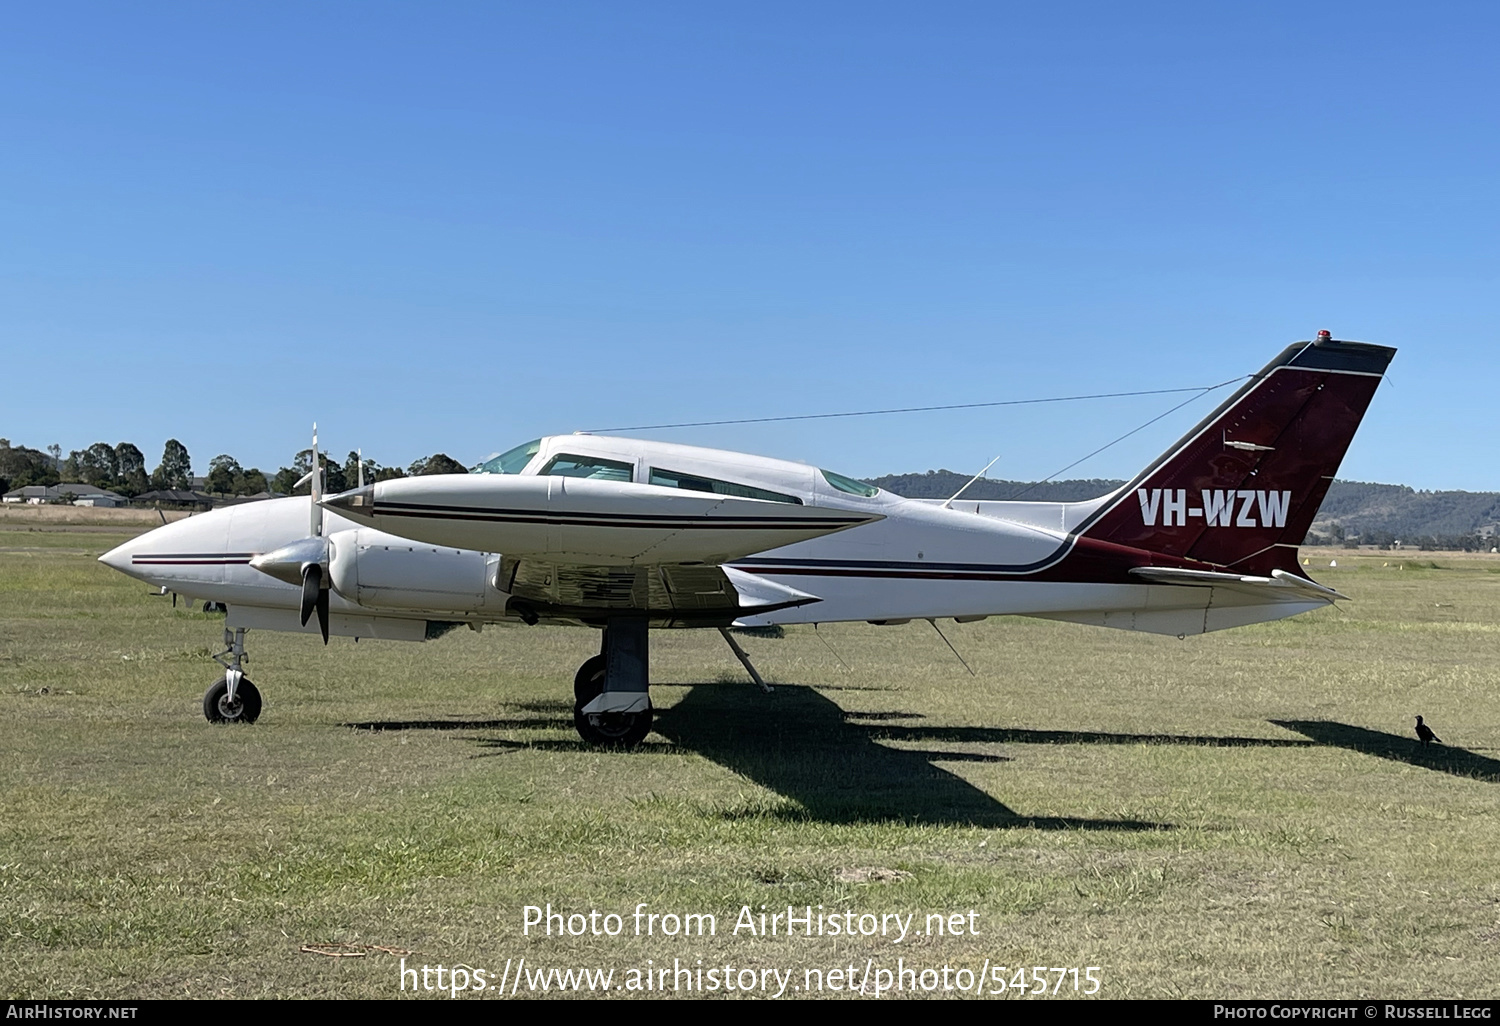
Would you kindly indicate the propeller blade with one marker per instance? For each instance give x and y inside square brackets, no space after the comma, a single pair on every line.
[317,490]
[323,613]
[312,588]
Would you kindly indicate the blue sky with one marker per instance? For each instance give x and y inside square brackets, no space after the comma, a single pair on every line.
[453,227]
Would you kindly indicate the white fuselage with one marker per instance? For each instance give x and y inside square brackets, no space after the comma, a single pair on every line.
[902,559]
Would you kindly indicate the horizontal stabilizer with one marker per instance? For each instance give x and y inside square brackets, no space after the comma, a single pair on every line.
[1292,586]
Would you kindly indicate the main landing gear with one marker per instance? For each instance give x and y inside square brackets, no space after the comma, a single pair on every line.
[611,701]
[611,697]
[232,698]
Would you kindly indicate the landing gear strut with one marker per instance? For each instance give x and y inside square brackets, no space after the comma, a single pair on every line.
[232,699]
[612,706]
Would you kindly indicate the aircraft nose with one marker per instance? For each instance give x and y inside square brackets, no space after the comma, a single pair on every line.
[192,549]
[123,557]
[118,558]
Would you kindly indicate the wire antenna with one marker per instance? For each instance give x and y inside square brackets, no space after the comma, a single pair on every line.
[1139,427]
[907,409]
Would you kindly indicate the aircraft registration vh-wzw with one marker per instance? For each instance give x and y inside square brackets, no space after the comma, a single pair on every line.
[625,535]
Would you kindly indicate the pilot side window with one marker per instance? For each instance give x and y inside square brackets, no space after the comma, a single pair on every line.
[512,461]
[569,465]
[698,483]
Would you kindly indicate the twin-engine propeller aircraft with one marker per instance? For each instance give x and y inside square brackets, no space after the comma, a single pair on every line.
[625,535]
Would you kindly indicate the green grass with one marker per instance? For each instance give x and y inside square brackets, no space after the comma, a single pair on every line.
[1245,814]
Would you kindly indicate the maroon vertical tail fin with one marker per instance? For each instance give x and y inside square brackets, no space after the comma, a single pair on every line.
[1241,489]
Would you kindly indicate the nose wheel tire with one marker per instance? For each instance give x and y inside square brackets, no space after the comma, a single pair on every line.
[219,709]
[607,730]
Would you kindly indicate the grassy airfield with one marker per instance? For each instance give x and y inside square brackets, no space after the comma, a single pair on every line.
[1245,814]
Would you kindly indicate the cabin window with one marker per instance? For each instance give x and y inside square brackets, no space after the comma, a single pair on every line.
[849,485]
[512,461]
[569,465]
[698,483]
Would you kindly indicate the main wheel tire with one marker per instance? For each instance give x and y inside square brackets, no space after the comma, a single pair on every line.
[613,730]
[244,709]
[588,682]
[608,730]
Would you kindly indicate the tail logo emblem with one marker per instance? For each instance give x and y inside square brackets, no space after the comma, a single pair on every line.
[1221,507]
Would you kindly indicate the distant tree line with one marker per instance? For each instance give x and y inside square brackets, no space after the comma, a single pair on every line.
[339,477]
[1392,512]
[122,468]
[21,467]
[1335,534]
[1352,513]
[117,468]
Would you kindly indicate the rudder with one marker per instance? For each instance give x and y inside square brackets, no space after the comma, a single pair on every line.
[1241,489]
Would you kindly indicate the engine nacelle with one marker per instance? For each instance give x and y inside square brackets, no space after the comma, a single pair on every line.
[382,571]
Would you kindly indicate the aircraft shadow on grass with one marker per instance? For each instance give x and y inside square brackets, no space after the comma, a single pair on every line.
[833,765]
[1446,759]
[803,746]
[555,714]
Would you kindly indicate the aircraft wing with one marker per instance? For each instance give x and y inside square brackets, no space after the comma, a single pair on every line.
[667,594]
[586,522]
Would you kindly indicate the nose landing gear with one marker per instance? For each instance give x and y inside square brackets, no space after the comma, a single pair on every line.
[220,706]
[232,699]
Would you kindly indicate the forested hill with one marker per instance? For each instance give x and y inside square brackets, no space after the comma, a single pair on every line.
[1353,511]
[939,484]
[1371,510]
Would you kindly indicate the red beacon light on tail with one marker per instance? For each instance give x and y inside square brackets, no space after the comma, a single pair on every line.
[1324,336]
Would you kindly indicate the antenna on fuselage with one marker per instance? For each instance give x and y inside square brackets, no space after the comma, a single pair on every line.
[950,646]
[976,477]
[317,487]
[830,648]
[315,478]
[314,587]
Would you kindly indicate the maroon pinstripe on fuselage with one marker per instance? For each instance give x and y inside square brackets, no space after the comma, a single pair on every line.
[191,558]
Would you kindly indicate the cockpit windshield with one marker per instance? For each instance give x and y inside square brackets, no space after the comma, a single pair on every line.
[849,485]
[512,462]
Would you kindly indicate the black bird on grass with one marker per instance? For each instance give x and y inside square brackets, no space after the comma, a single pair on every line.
[1425,734]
